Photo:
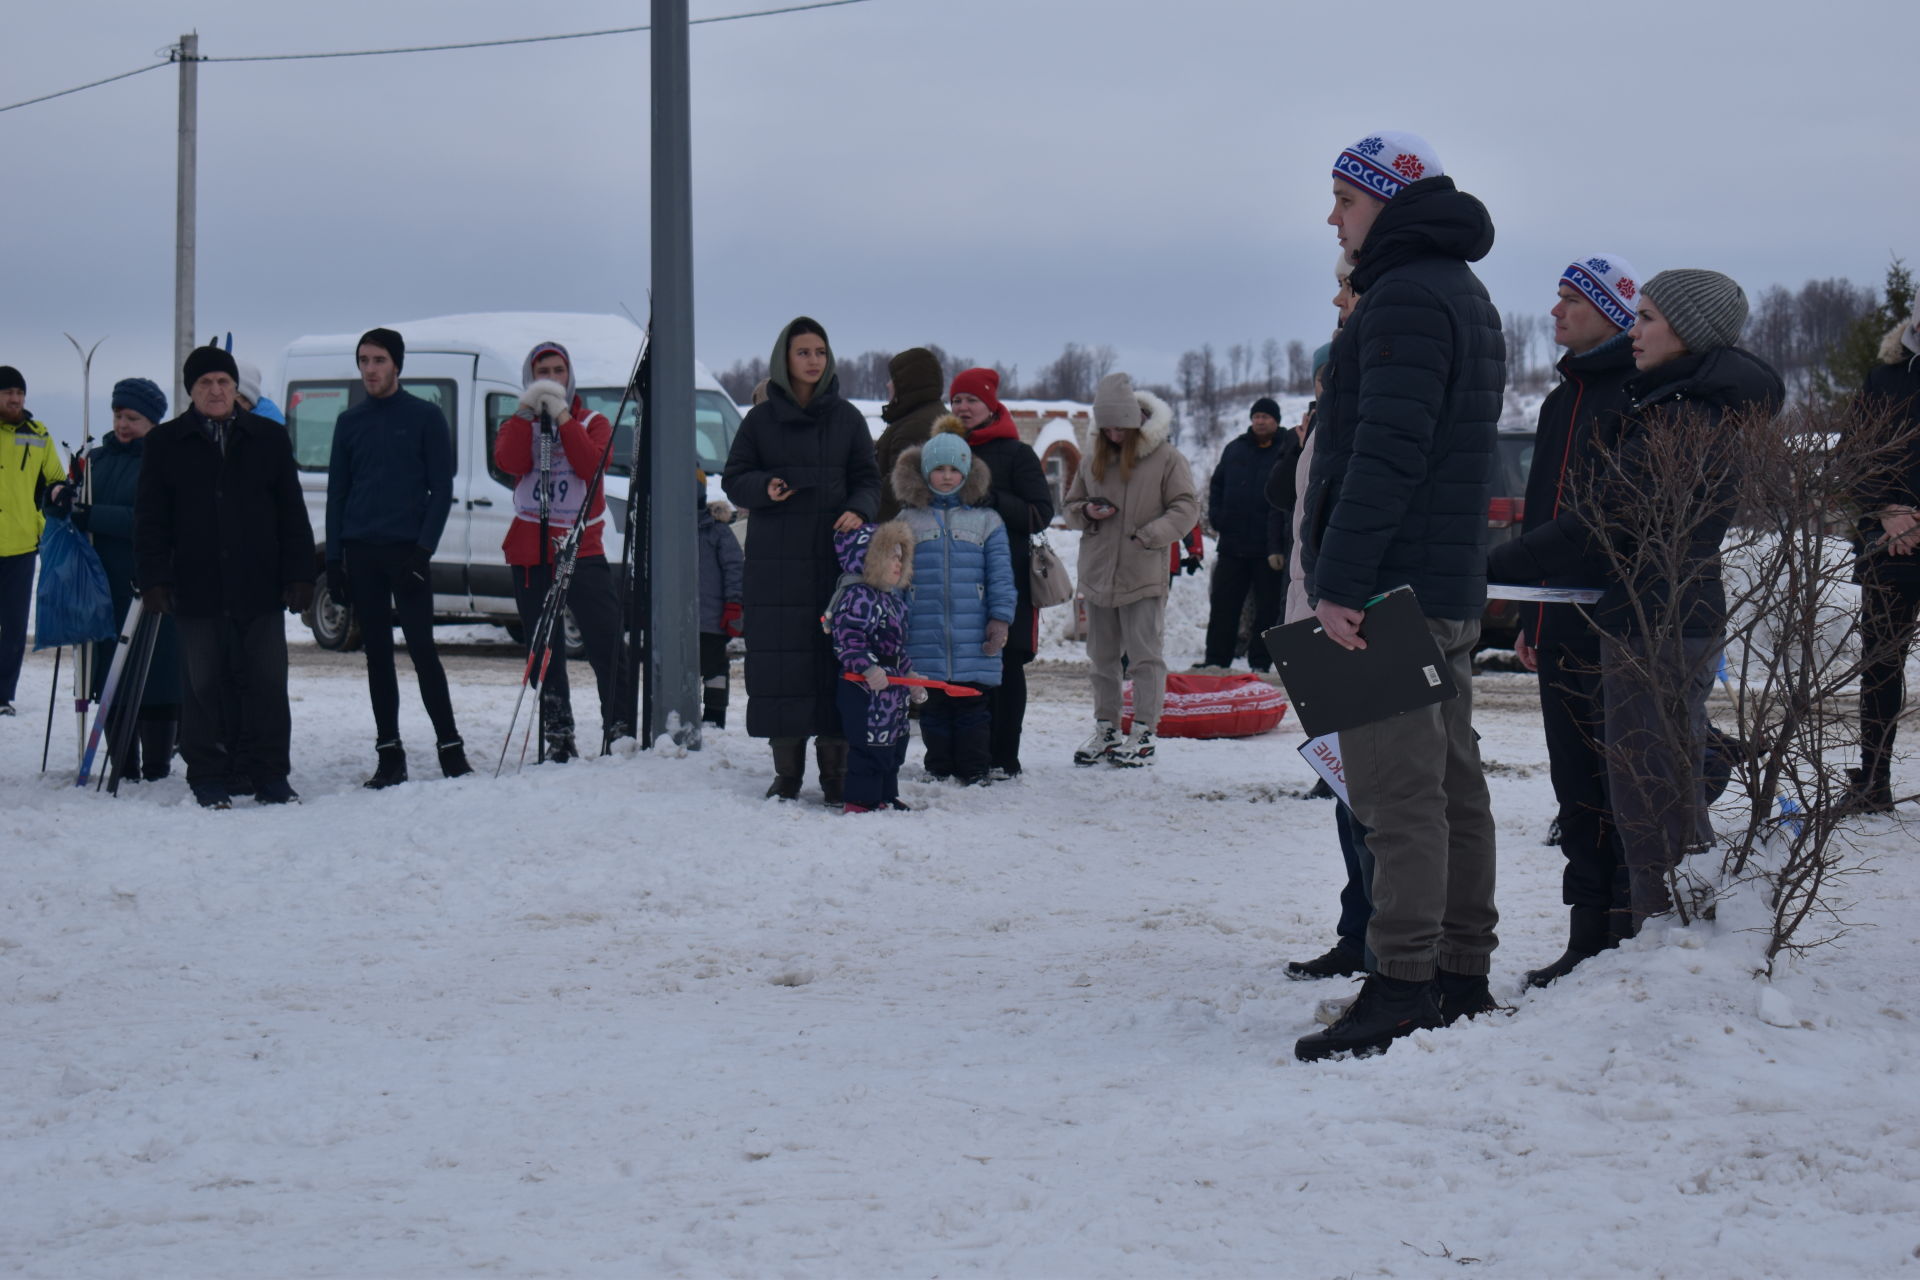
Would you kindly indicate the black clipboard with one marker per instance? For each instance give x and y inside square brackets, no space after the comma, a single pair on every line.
[1335,689]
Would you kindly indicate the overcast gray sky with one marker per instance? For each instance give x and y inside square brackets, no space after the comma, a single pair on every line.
[998,176]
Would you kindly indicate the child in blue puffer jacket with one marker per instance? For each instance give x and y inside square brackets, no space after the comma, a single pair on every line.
[963,595]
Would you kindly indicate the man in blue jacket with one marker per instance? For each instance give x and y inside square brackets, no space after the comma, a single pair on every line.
[1238,510]
[389,485]
[1397,496]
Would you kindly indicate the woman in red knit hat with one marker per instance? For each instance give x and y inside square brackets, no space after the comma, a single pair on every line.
[1020,494]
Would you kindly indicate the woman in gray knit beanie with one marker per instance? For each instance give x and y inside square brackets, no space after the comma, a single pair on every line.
[1687,311]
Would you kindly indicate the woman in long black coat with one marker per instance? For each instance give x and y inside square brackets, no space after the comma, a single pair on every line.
[802,466]
[1020,494]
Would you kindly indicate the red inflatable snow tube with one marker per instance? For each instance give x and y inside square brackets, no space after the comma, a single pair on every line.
[1198,706]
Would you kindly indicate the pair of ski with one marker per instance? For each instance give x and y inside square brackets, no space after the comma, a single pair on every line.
[553,609]
[116,717]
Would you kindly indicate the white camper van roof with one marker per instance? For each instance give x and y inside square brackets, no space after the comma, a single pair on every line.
[603,347]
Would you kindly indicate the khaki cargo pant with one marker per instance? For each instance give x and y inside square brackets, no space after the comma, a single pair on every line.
[1415,783]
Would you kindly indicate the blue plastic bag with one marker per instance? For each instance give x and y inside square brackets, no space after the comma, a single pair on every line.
[72,604]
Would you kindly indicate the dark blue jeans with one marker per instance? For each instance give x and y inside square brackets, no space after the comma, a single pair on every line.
[1356,897]
[16,593]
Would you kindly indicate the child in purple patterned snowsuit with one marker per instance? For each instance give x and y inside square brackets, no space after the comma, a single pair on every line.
[868,622]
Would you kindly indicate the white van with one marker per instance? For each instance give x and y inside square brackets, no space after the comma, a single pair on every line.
[469,365]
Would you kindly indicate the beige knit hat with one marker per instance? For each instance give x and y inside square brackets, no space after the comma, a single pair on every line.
[1115,405]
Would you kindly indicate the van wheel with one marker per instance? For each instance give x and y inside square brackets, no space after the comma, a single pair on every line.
[332,621]
[576,647]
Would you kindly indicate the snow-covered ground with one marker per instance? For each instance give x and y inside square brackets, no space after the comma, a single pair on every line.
[625,1018]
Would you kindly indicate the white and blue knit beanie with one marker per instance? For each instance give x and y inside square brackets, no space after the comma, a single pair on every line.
[1384,164]
[1609,282]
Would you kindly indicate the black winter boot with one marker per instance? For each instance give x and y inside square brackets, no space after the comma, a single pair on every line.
[1868,792]
[830,756]
[557,731]
[713,707]
[1588,935]
[789,766]
[1386,1009]
[1339,962]
[453,759]
[392,769]
[156,748]
[1463,995]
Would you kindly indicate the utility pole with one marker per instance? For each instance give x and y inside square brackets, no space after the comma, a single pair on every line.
[673,651]
[185,209]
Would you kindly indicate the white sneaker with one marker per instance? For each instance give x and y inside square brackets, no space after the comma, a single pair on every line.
[1100,746]
[1135,751]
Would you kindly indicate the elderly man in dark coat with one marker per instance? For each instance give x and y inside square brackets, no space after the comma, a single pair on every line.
[223,543]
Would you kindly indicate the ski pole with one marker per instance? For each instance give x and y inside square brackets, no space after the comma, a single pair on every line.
[53,696]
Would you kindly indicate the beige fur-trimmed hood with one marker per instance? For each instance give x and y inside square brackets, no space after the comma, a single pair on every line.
[887,538]
[911,489]
[1893,347]
[1156,426]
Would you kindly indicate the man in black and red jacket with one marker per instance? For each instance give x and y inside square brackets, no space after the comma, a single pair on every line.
[1579,416]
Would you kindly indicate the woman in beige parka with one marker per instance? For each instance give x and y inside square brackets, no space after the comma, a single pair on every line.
[1131,500]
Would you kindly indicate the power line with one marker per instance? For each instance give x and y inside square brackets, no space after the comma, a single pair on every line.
[47,97]
[435,48]
[494,44]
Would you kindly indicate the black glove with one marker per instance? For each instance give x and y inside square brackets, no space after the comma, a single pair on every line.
[297,596]
[420,563]
[80,515]
[61,502]
[337,582]
[1191,564]
[157,599]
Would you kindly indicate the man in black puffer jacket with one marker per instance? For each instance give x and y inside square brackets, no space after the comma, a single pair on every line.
[1238,510]
[1397,496]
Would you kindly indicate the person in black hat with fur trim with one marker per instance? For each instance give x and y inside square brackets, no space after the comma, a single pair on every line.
[222,542]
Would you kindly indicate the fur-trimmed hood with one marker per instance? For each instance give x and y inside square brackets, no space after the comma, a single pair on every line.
[866,549]
[1893,347]
[1156,423]
[912,489]
[1156,426]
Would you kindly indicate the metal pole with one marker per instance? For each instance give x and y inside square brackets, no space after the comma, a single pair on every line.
[673,654]
[185,208]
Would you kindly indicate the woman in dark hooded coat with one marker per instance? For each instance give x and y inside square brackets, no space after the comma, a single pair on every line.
[803,466]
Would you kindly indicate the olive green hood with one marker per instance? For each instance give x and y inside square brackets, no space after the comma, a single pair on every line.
[777,366]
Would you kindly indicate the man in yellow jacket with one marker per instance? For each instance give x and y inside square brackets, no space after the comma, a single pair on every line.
[30,472]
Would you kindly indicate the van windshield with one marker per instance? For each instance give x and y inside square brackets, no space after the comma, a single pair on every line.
[715,421]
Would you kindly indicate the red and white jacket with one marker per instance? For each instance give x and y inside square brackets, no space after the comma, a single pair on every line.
[580,441]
